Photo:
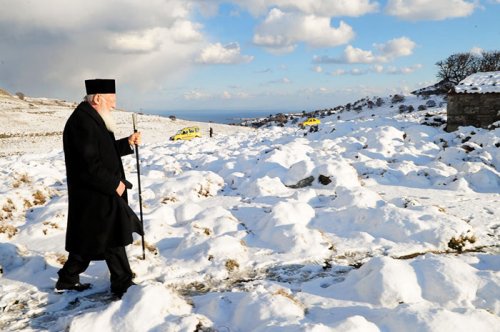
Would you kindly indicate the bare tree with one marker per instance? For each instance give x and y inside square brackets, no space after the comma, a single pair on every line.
[458,66]
[490,61]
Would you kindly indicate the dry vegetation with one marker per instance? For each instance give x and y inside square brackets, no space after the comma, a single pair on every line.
[148,246]
[20,179]
[460,242]
[7,229]
[39,198]
[204,192]
[44,134]
[284,293]
[232,265]
[169,199]
[27,204]
[61,258]
[4,93]
[7,210]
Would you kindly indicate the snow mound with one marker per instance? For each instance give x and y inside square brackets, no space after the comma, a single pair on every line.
[154,304]
[382,281]
[254,311]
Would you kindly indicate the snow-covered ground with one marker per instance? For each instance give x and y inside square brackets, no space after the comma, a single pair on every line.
[35,125]
[396,229]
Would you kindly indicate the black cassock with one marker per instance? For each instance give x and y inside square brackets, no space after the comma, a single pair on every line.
[97,217]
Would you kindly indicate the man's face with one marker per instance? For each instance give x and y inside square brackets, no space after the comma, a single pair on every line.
[104,104]
[108,101]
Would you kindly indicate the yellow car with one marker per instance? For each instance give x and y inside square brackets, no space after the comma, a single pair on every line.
[187,133]
[310,122]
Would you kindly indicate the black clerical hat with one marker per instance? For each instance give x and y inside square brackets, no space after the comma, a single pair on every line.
[100,86]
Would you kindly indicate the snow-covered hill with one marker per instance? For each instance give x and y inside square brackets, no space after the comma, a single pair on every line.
[379,221]
[36,124]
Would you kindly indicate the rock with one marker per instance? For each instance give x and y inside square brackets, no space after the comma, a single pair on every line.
[324,180]
[430,103]
[303,183]
[397,99]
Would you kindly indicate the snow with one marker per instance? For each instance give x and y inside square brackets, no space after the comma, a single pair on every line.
[484,82]
[242,235]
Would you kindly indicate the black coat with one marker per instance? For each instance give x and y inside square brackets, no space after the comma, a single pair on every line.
[97,217]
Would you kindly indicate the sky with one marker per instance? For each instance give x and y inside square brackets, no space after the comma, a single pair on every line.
[276,55]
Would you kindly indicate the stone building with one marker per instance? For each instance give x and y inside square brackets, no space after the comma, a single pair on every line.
[475,101]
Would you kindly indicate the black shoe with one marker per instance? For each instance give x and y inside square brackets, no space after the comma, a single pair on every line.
[62,287]
[118,292]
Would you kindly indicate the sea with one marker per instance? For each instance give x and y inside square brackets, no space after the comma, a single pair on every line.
[221,116]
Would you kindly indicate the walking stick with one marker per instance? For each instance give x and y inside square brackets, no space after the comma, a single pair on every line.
[134,121]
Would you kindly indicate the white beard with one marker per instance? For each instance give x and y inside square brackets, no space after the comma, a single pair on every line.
[109,121]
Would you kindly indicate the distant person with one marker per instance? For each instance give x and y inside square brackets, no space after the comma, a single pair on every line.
[211,131]
[100,222]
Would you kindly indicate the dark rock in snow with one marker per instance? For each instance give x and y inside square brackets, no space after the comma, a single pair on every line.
[324,180]
[303,183]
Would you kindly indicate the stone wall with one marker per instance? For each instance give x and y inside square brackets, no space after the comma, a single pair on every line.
[472,109]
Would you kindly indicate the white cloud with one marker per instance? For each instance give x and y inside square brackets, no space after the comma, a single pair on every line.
[137,42]
[339,72]
[403,70]
[378,69]
[357,71]
[223,54]
[196,95]
[318,69]
[234,95]
[281,31]
[416,10]
[313,7]
[331,8]
[58,14]
[396,48]
[478,50]
[208,8]
[184,31]
[58,44]
[284,80]
[388,51]
[357,55]
[83,14]
[151,40]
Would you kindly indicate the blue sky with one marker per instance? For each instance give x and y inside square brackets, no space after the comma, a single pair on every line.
[237,55]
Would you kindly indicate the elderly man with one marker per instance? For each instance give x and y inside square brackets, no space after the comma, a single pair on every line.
[100,222]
